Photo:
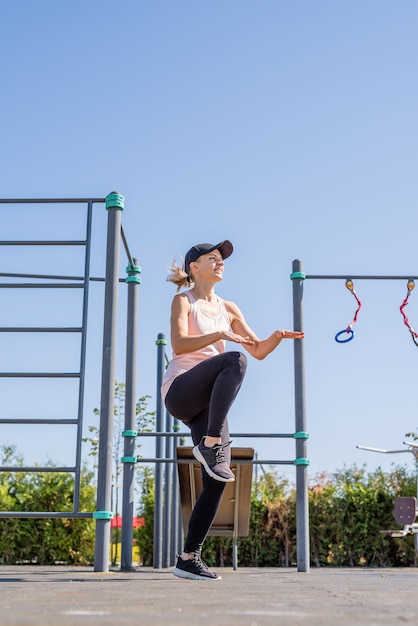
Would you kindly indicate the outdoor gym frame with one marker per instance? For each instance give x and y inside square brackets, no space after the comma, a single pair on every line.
[164,516]
[114,203]
[298,277]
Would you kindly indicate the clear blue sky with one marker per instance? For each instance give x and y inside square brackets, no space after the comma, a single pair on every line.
[289,128]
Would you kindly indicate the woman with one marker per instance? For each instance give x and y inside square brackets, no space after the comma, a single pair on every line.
[202,381]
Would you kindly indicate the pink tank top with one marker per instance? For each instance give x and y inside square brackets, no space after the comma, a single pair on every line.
[199,324]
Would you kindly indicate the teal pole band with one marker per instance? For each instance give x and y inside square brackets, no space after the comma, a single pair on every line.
[301,461]
[133,268]
[115,200]
[300,434]
[295,275]
[128,459]
[133,279]
[102,515]
[129,433]
[133,271]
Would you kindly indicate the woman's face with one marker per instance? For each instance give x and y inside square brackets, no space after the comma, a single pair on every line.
[209,266]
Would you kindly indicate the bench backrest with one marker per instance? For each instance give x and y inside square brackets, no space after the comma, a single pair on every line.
[405,510]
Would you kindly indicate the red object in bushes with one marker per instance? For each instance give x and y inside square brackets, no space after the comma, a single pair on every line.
[116,522]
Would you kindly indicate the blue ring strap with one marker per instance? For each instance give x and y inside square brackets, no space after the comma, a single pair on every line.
[349,332]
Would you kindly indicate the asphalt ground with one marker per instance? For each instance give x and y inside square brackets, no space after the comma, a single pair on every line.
[246,597]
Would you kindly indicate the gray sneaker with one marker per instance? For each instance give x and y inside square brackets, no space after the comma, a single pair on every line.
[213,460]
[194,568]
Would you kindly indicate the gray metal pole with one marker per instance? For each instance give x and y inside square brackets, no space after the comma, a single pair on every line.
[83,349]
[128,489]
[103,513]
[176,531]
[158,509]
[301,462]
[416,535]
[168,492]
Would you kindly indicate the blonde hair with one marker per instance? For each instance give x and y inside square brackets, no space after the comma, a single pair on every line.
[178,276]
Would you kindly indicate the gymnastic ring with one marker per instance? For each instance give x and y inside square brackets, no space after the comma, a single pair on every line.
[348,331]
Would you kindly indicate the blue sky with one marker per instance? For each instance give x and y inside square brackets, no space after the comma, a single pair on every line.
[287,127]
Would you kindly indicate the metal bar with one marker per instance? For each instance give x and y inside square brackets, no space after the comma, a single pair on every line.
[42,243]
[302,510]
[37,421]
[128,481]
[158,510]
[357,277]
[49,200]
[176,527]
[125,245]
[40,276]
[53,277]
[104,478]
[38,375]
[43,515]
[187,434]
[17,329]
[159,461]
[83,348]
[41,285]
[36,468]
[168,494]
[236,514]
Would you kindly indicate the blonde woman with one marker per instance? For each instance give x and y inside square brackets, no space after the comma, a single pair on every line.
[203,379]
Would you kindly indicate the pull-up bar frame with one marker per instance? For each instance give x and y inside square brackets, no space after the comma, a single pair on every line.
[298,277]
[355,277]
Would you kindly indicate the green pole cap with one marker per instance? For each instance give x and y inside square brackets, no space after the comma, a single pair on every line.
[115,200]
[301,434]
[301,461]
[161,342]
[102,515]
[128,459]
[295,275]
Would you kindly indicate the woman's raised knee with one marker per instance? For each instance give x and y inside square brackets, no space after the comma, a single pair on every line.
[238,360]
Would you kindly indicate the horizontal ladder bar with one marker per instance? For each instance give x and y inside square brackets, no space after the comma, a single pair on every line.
[27,420]
[43,515]
[41,285]
[53,277]
[35,469]
[36,242]
[49,200]
[39,375]
[39,329]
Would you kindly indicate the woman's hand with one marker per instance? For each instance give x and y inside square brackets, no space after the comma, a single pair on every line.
[235,338]
[291,334]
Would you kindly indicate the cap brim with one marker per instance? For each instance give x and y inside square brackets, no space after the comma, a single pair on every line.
[225,248]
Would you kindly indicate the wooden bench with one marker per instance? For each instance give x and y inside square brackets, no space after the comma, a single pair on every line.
[233,517]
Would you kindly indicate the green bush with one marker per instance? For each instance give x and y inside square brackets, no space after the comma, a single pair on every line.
[44,541]
[347,511]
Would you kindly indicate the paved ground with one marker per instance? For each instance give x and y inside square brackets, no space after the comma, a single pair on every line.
[62,596]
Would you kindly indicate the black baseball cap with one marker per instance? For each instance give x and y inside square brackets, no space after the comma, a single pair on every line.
[225,248]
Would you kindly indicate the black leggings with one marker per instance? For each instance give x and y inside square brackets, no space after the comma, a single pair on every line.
[201,399]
